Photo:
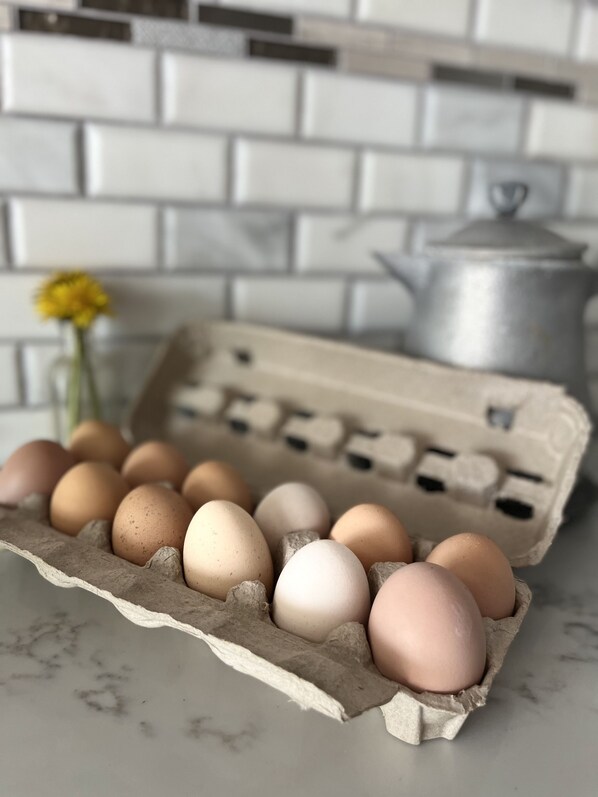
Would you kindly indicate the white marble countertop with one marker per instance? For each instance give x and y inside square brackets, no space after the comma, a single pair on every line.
[93,705]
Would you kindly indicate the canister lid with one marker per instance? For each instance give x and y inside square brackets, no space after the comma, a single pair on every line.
[505,238]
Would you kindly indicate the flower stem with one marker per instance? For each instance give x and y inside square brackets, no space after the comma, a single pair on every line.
[74,389]
[96,408]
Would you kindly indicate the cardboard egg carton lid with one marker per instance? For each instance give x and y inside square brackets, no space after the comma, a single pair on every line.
[448,450]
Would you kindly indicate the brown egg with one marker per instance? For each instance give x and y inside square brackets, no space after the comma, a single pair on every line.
[214,480]
[35,467]
[480,564]
[224,547]
[155,461]
[89,491]
[374,534]
[148,518]
[96,441]
[426,631]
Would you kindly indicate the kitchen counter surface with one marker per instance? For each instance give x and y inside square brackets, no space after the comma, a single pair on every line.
[93,705]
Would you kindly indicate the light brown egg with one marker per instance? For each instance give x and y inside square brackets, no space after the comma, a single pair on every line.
[97,441]
[374,534]
[426,630]
[155,461]
[223,547]
[213,481]
[89,491]
[481,565]
[35,467]
[148,518]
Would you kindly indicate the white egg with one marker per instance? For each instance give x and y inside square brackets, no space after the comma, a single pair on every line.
[323,586]
[292,506]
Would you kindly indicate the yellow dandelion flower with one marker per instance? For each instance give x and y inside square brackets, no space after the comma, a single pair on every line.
[72,296]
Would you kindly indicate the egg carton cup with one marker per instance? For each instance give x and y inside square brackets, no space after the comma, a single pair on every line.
[447,450]
[337,677]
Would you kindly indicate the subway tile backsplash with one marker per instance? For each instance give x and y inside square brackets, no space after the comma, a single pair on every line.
[244,158]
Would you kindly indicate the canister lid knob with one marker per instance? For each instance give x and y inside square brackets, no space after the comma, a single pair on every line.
[507,197]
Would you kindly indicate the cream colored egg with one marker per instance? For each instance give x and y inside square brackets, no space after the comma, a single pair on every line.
[323,586]
[223,547]
[292,506]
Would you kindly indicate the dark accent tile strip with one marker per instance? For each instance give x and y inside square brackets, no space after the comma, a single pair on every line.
[172,9]
[239,18]
[260,48]
[444,73]
[71,25]
[548,88]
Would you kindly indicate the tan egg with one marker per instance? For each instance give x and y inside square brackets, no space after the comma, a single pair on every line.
[481,565]
[223,547]
[155,461]
[96,441]
[148,518]
[374,534]
[213,481]
[89,491]
[35,467]
[426,631]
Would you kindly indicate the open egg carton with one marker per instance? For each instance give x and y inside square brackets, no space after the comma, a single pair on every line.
[447,450]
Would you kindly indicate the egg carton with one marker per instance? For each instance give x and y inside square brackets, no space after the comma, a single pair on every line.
[447,450]
[336,677]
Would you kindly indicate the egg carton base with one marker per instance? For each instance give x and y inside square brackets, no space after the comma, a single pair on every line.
[336,678]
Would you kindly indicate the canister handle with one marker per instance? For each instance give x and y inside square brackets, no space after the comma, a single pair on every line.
[507,197]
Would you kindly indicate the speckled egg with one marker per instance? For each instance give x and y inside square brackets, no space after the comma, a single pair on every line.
[216,481]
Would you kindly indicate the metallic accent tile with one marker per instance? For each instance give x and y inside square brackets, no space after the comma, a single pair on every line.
[281,51]
[181,35]
[236,18]
[73,25]
[6,18]
[369,63]
[342,34]
[545,181]
[547,88]
[445,73]
[334,8]
[227,239]
[174,9]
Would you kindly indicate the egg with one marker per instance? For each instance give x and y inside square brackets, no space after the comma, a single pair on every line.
[322,586]
[426,630]
[292,506]
[223,547]
[96,441]
[481,565]
[374,534]
[214,480]
[148,518]
[35,467]
[88,491]
[155,461]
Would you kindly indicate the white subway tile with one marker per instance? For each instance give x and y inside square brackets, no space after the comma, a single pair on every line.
[411,183]
[154,163]
[532,24]
[545,180]
[449,17]
[9,377]
[54,233]
[562,130]
[232,94]
[57,5]
[587,39]
[384,305]
[64,76]
[293,174]
[3,252]
[344,108]
[336,8]
[19,426]
[120,367]
[158,305]
[5,18]
[18,318]
[468,120]
[315,305]
[426,231]
[344,244]
[229,240]
[582,192]
[37,155]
